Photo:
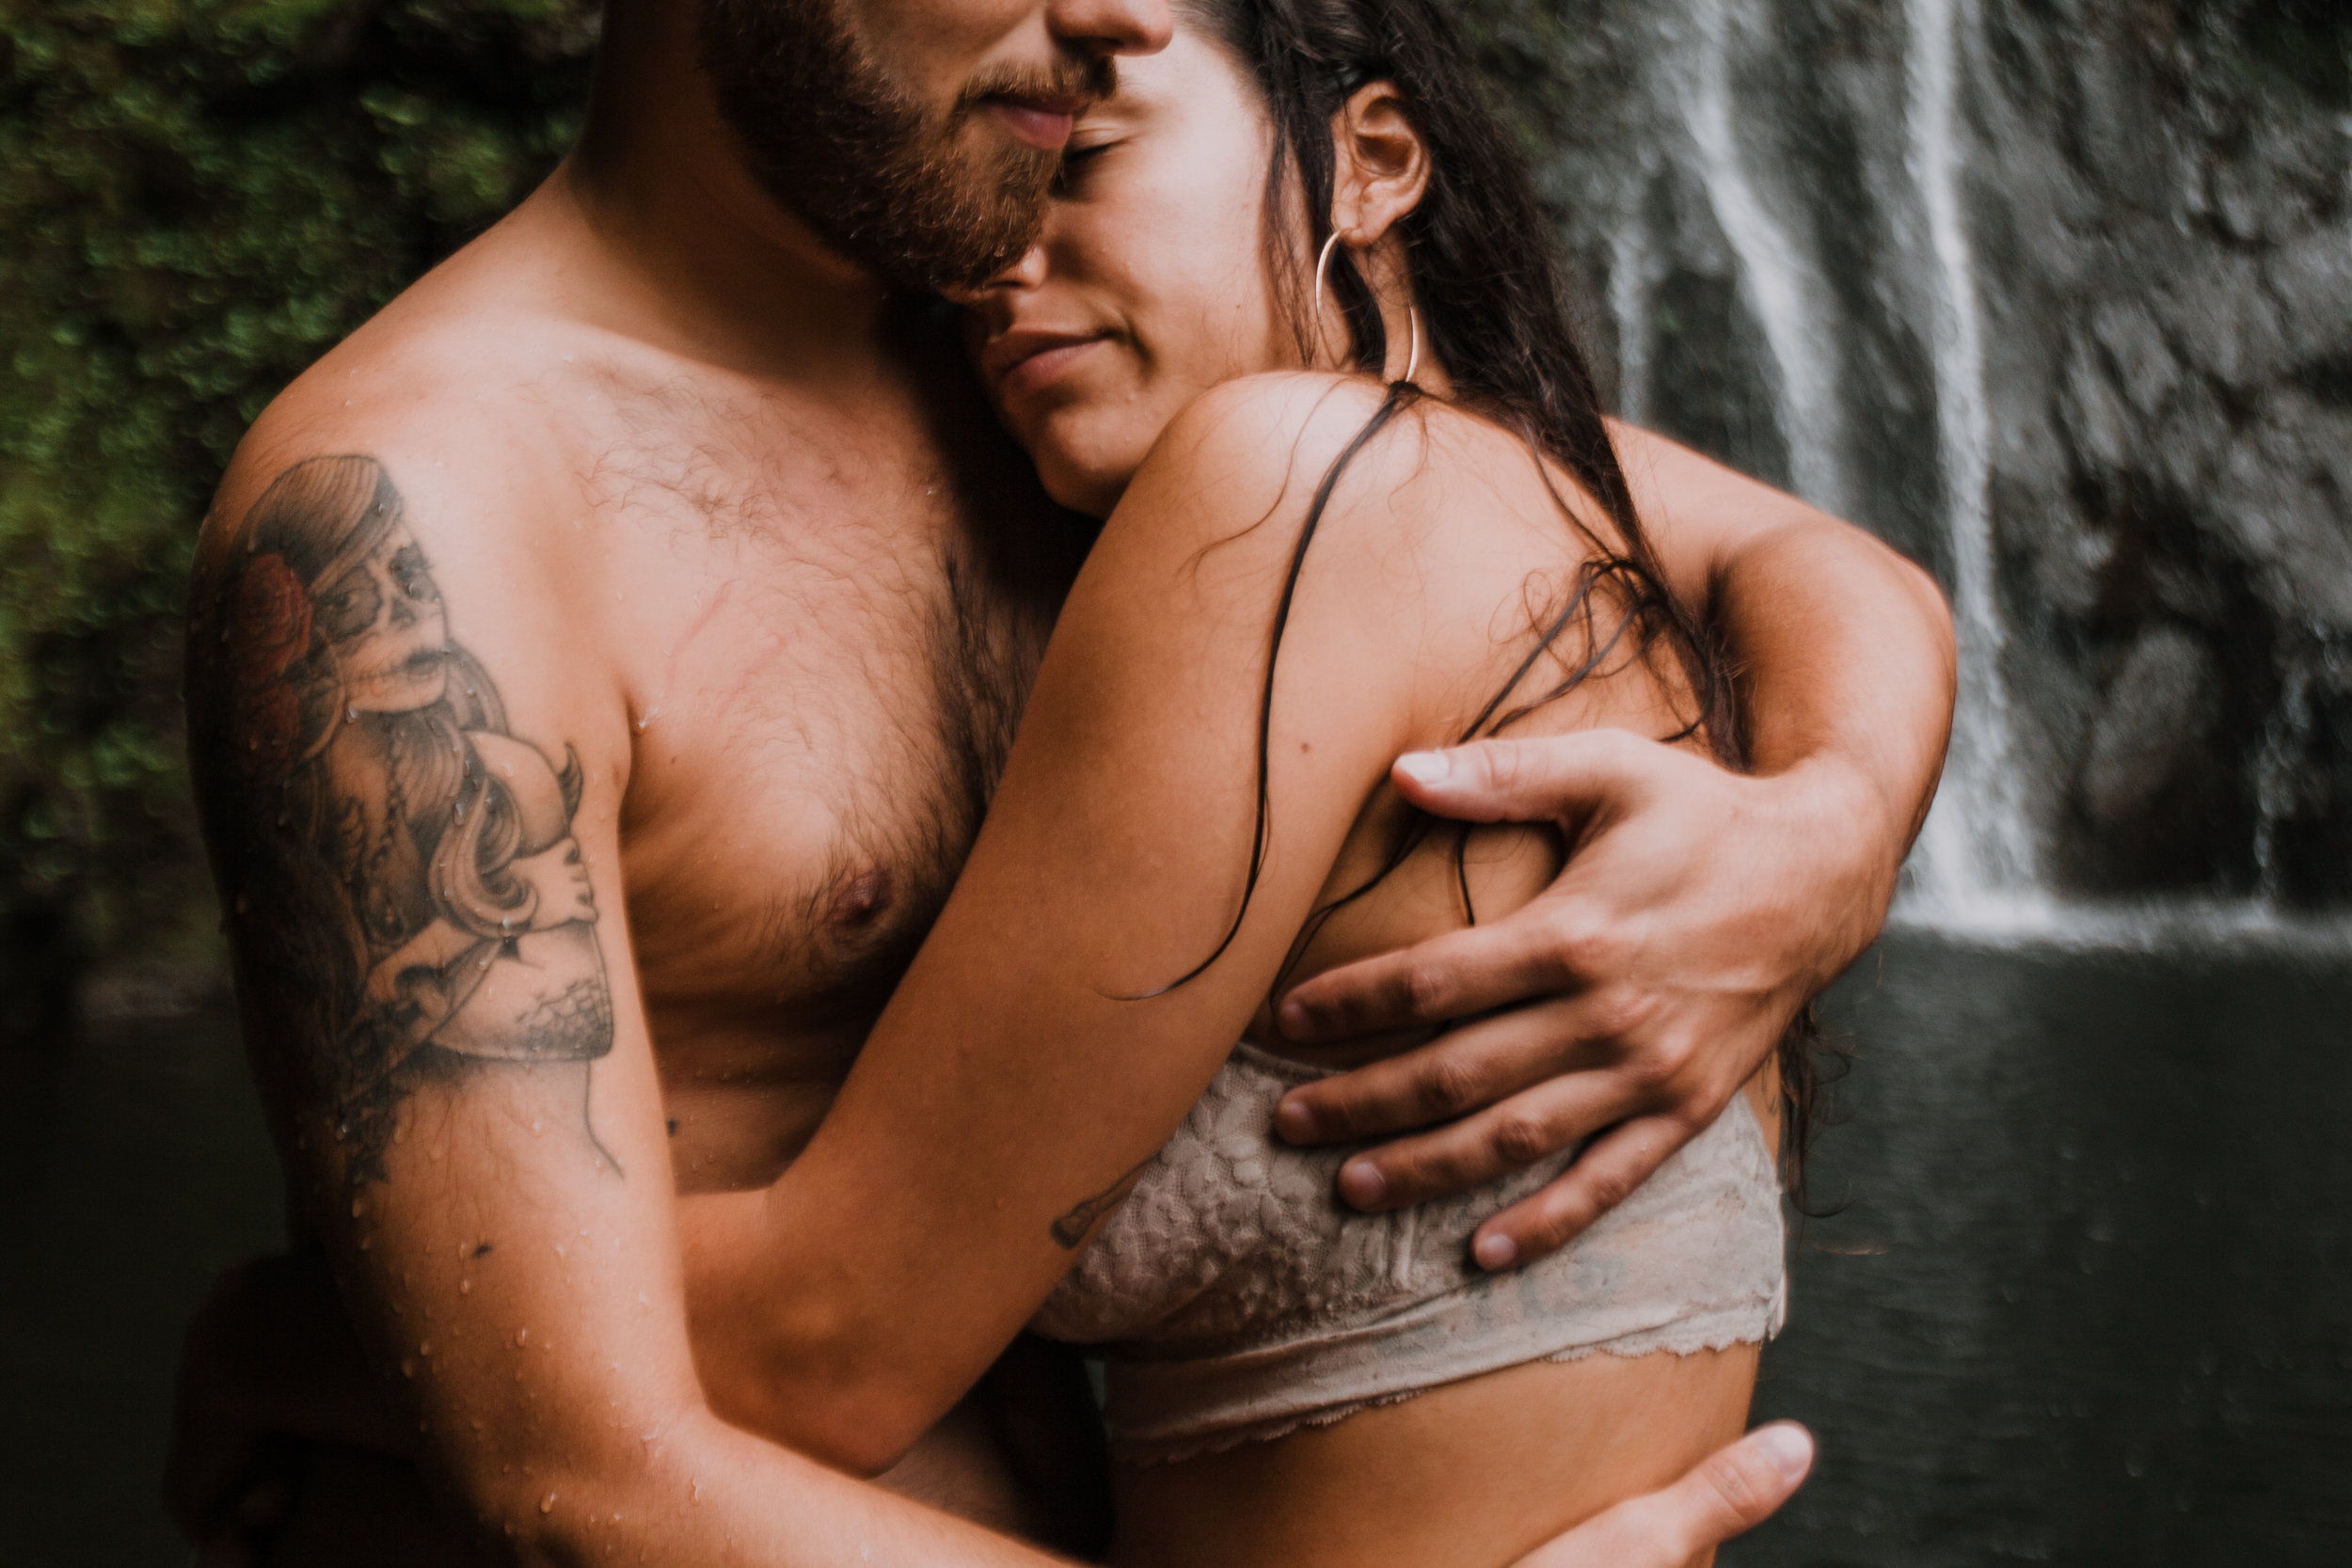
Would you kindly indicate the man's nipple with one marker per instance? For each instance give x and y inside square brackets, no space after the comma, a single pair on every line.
[861,899]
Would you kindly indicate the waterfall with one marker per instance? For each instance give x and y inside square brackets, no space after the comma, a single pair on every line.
[1977,844]
[1777,280]
[1629,306]
[1719,97]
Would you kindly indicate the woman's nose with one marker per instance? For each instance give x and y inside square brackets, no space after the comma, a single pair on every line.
[1027,272]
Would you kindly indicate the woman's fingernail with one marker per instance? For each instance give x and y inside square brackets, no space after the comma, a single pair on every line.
[1425,767]
[1361,1183]
[1496,1252]
[1295,1121]
[1789,1446]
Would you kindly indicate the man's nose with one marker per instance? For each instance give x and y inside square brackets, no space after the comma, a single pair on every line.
[1112,27]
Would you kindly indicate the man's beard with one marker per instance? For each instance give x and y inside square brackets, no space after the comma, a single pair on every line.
[850,149]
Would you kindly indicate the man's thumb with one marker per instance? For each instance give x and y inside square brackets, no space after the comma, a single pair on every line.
[1544,778]
[1732,1490]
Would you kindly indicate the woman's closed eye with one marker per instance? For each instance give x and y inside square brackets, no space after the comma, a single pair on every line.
[1074,160]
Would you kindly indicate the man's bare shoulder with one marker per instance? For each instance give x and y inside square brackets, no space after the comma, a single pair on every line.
[480,404]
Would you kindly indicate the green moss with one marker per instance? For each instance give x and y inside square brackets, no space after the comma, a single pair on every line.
[199,198]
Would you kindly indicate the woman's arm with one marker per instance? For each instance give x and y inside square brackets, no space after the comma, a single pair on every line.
[1034,1057]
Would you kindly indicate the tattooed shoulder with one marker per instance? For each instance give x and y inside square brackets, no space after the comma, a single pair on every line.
[400,866]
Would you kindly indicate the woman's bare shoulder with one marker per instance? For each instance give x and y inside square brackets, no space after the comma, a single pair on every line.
[1257,431]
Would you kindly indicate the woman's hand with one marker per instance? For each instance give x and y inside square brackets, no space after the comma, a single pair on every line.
[1699,910]
[1733,1490]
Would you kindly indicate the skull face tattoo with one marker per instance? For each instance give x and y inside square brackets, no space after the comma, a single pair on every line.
[401,860]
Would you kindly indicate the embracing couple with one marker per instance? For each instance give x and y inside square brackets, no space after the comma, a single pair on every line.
[989,693]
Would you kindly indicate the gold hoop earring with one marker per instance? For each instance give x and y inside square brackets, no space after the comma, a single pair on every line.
[1323,266]
[1413,313]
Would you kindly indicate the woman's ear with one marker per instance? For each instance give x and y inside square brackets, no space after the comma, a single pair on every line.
[1381,166]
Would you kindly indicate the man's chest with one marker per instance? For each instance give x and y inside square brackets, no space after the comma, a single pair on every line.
[825,660]
[808,776]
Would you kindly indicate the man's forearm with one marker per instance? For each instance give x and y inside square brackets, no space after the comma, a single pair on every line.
[702,1492]
[1843,649]
[1845,658]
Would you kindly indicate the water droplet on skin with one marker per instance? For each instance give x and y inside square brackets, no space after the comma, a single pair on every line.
[408,1367]
[358,1208]
[522,1337]
[536,1128]
[351,715]
[547,1504]
[465,1287]
[424,1347]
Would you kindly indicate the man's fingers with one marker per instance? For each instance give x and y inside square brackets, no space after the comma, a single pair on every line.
[1542,780]
[1531,1126]
[1537,950]
[1462,1070]
[1604,1176]
[1732,1490]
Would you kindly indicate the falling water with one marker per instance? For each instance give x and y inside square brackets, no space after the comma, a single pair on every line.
[1778,281]
[1629,303]
[1706,80]
[1976,847]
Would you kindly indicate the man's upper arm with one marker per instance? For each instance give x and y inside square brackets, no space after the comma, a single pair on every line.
[409,780]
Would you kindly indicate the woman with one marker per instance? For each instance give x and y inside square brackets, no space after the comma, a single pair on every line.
[1292,331]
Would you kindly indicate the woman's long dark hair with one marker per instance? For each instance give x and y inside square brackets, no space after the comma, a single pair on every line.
[1488,288]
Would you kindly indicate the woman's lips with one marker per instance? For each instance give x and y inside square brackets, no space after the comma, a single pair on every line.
[1043,123]
[1021,363]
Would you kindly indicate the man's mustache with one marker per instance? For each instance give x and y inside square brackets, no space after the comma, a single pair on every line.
[1086,82]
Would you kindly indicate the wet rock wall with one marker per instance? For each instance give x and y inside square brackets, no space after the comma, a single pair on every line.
[2114,370]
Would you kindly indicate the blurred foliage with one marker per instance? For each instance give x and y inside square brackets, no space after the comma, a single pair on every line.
[196,199]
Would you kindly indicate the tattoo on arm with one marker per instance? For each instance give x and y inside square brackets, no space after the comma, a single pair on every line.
[399,865]
[1070,1229]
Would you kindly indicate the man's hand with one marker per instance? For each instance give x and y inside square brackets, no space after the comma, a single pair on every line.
[1699,910]
[1733,1490]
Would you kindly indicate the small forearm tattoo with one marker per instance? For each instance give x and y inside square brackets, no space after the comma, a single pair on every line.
[403,880]
[1070,1229]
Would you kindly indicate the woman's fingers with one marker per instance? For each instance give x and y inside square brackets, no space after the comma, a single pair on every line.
[1604,1176]
[1732,1490]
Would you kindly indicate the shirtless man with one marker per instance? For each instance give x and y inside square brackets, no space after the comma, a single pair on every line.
[600,664]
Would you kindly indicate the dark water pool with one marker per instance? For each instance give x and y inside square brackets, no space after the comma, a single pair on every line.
[2092,1301]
